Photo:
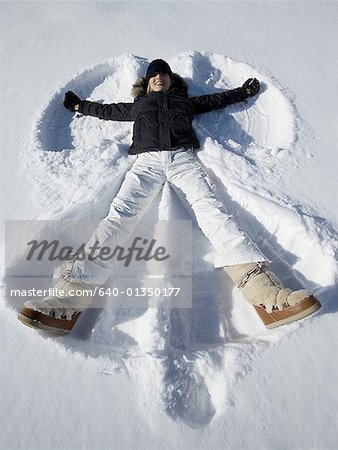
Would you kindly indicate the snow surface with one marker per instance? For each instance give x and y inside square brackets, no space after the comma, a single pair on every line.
[211,376]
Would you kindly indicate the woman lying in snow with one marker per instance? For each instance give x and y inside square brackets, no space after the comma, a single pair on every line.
[164,142]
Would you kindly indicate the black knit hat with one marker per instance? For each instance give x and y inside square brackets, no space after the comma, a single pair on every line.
[158,66]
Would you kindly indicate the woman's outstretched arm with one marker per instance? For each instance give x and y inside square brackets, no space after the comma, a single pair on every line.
[112,111]
[211,102]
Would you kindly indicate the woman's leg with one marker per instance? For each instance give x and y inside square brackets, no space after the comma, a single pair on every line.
[242,260]
[194,187]
[139,189]
[77,278]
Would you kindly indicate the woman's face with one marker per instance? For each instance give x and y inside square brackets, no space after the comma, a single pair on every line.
[159,83]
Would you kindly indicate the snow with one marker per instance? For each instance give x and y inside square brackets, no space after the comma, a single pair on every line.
[211,376]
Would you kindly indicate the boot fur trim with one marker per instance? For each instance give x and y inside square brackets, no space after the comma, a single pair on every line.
[261,287]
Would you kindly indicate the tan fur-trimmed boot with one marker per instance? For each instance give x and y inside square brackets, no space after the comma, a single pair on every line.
[274,304]
[58,313]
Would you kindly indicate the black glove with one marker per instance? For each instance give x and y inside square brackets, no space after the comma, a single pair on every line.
[71,100]
[251,86]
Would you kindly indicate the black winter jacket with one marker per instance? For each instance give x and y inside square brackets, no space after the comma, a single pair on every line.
[162,121]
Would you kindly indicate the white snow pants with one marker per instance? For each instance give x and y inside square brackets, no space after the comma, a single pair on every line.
[141,185]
